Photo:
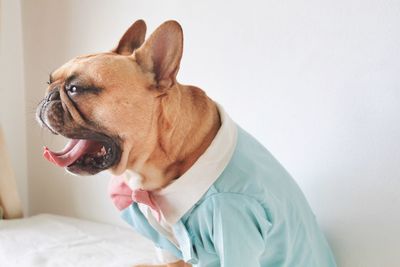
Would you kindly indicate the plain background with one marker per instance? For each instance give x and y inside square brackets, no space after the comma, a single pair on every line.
[317,82]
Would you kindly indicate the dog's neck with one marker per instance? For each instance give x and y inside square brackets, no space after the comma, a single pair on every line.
[184,125]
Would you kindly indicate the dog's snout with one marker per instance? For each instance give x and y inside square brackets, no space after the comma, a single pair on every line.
[54,95]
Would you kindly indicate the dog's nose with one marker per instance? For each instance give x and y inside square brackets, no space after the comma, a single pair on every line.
[54,95]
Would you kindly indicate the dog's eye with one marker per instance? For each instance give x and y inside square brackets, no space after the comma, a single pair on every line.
[73,90]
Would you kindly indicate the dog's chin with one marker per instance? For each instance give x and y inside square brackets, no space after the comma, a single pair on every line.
[87,153]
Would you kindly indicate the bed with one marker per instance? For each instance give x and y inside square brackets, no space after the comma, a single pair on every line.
[50,240]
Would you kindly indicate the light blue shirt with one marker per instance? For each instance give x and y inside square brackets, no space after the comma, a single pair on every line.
[252,214]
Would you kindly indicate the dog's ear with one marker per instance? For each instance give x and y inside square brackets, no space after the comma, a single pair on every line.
[161,53]
[132,39]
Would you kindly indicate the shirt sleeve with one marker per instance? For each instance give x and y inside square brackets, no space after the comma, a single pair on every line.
[240,227]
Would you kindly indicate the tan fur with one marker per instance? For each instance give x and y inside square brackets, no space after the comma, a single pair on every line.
[164,126]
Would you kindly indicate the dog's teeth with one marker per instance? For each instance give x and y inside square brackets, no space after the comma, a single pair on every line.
[98,159]
[102,152]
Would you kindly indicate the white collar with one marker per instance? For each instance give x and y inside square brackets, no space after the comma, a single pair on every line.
[178,197]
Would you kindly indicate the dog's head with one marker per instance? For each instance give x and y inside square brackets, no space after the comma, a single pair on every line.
[106,103]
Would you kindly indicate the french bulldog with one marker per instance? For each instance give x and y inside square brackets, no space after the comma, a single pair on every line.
[124,111]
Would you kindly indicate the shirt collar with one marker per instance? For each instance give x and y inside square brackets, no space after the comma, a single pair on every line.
[178,197]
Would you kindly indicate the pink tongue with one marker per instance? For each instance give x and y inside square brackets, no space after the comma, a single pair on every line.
[71,152]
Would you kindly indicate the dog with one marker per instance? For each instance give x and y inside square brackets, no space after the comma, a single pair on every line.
[184,174]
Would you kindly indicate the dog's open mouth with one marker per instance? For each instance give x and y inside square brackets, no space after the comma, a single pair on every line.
[85,156]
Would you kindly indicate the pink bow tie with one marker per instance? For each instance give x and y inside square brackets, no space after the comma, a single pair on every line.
[122,196]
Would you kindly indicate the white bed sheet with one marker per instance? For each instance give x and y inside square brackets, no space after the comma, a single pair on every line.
[49,240]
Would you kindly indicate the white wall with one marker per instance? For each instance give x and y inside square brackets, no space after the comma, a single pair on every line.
[316,81]
[12,93]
